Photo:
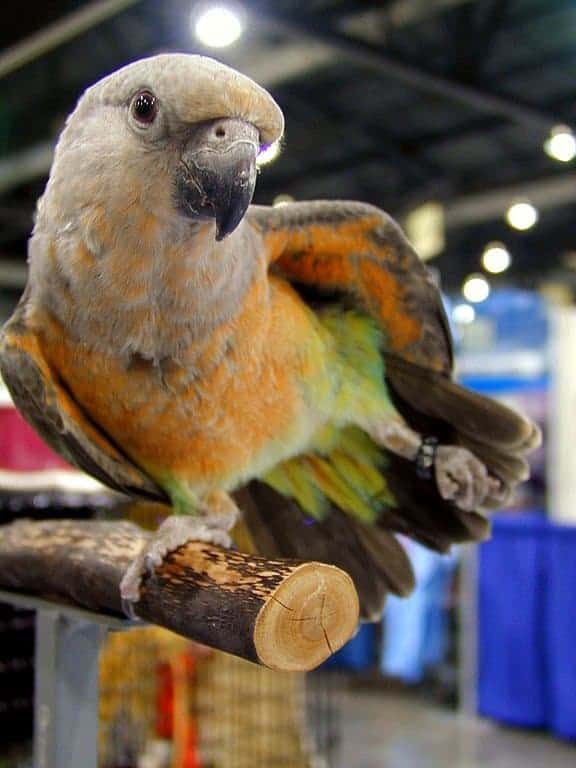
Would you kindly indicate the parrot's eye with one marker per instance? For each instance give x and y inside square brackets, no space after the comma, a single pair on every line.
[145,107]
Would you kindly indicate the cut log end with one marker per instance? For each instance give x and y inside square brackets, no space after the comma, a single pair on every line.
[284,614]
[310,616]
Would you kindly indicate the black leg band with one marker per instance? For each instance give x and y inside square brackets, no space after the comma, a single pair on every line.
[425,458]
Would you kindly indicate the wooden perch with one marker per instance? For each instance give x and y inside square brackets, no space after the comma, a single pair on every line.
[283,614]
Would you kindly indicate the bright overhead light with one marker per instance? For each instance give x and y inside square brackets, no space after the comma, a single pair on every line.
[476,288]
[496,258]
[217,27]
[463,314]
[282,200]
[522,215]
[268,154]
[561,144]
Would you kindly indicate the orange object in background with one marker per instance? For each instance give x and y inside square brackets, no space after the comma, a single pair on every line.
[164,701]
[185,727]
[175,720]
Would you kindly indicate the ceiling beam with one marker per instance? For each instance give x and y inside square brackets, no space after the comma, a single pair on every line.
[13,274]
[280,176]
[21,167]
[546,192]
[405,12]
[61,31]
[388,148]
[372,55]
[287,60]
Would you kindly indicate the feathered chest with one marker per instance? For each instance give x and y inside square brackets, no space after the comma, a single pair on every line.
[253,383]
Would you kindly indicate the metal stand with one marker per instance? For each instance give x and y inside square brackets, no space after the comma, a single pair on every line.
[468,651]
[68,642]
[66,696]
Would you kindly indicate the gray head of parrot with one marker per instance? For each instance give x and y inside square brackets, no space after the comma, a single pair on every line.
[217,173]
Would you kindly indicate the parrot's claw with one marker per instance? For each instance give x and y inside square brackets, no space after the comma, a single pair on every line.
[463,479]
[128,609]
[175,532]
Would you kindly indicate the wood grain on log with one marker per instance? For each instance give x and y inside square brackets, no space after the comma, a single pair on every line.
[283,614]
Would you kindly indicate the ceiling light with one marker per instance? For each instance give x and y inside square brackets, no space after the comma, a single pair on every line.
[476,288]
[496,258]
[217,27]
[463,314]
[268,154]
[522,215]
[282,200]
[561,144]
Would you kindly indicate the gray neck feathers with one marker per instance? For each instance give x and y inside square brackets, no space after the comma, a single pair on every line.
[152,299]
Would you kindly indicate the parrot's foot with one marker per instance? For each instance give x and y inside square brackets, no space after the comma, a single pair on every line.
[463,479]
[217,515]
[460,476]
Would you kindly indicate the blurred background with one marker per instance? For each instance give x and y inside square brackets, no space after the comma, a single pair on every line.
[457,117]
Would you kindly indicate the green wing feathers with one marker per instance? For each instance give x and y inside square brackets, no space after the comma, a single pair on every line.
[348,476]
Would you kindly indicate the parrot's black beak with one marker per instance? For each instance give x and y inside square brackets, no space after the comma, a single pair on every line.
[217,175]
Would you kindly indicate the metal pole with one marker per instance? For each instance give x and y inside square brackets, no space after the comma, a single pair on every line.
[468,642]
[66,695]
[547,192]
[59,32]
[27,164]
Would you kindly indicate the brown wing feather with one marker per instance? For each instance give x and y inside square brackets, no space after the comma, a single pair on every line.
[51,410]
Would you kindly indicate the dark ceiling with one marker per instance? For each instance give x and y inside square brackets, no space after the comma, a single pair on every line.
[396,103]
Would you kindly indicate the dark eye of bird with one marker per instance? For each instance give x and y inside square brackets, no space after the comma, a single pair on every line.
[145,107]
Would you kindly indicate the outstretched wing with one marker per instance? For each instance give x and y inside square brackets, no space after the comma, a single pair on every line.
[355,253]
[358,252]
[357,494]
[48,406]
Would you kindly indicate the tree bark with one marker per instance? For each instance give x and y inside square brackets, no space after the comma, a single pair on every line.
[284,614]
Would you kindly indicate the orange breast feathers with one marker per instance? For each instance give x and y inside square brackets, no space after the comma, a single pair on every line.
[233,404]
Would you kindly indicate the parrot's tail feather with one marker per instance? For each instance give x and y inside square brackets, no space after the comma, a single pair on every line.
[372,557]
[421,513]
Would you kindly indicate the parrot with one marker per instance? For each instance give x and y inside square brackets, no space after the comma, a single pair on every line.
[277,374]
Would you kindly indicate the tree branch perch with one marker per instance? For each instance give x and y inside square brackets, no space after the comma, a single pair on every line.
[283,614]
